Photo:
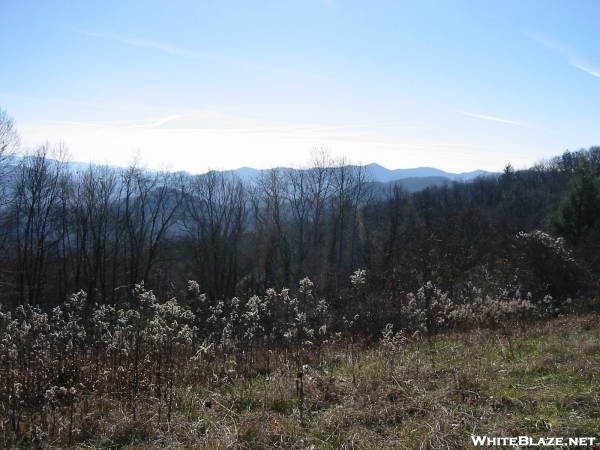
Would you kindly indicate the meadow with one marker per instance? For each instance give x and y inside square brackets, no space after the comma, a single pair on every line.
[269,372]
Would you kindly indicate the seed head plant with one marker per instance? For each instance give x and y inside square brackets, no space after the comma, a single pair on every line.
[56,366]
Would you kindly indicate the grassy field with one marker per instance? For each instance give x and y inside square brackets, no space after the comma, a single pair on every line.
[541,381]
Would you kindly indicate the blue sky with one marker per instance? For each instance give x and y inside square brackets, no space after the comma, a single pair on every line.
[458,85]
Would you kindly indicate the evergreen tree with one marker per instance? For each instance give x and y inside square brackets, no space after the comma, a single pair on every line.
[579,210]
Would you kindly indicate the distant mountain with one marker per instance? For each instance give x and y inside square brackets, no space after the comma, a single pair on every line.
[73,166]
[414,180]
[384,175]
[413,177]
[246,174]
[416,184]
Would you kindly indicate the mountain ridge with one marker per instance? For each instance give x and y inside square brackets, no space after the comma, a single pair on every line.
[382,174]
[414,179]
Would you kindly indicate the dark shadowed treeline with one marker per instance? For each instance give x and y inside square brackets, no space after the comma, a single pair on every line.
[104,230]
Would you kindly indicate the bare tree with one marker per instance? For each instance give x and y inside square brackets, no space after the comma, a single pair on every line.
[36,211]
[9,138]
[301,206]
[214,218]
[95,234]
[149,206]
[320,190]
[9,144]
[271,215]
[348,195]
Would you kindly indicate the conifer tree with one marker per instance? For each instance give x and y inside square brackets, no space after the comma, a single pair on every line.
[579,210]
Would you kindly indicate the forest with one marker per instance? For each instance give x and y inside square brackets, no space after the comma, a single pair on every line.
[104,230]
[122,287]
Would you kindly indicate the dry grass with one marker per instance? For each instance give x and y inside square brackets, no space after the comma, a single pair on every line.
[435,395]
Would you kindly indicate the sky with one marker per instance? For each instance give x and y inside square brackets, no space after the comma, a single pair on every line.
[195,85]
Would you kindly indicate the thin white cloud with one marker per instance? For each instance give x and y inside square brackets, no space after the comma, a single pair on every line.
[494,119]
[182,51]
[504,120]
[586,66]
[167,48]
[213,121]
[346,127]
[63,122]
[157,123]
[570,54]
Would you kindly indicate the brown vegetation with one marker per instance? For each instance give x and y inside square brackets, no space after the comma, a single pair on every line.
[96,376]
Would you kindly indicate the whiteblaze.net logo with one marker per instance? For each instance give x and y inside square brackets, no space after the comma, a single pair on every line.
[486,441]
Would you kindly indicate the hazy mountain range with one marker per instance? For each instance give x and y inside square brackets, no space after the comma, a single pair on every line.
[384,175]
[413,179]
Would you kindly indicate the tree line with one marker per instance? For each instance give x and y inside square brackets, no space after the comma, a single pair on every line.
[104,230]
